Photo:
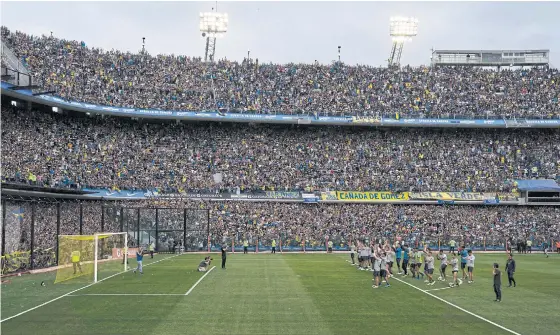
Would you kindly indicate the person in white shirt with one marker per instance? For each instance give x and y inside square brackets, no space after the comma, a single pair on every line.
[470,266]
[443,258]
[352,253]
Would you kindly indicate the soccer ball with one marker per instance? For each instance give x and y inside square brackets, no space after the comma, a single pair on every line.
[440,278]
[450,284]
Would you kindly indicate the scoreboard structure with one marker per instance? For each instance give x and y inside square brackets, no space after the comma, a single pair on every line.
[490,58]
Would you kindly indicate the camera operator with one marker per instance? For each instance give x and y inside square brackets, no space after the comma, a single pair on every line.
[203,266]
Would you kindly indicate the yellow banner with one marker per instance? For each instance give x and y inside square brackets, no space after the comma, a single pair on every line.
[465,196]
[372,196]
[358,119]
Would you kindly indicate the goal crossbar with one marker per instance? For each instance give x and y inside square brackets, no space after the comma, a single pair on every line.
[96,238]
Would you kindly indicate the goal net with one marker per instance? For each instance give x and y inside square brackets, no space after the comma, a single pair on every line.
[90,258]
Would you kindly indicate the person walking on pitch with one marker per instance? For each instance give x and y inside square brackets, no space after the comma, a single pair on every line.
[224,256]
[273,246]
[545,249]
[510,269]
[497,282]
[151,248]
[139,258]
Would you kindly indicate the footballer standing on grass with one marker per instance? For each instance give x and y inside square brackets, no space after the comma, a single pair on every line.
[497,282]
[384,273]
[419,262]
[376,269]
[443,258]
[455,271]
[399,254]
[429,266]
[405,261]
[464,255]
[470,266]
[139,257]
[510,269]
[390,257]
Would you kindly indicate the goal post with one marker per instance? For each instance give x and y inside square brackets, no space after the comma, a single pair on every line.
[90,258]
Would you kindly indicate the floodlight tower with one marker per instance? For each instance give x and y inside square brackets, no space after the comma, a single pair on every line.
[401,29]
[212,25]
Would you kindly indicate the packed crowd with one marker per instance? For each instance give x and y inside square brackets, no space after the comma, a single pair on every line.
[291,224]
[58,150]
[168,82]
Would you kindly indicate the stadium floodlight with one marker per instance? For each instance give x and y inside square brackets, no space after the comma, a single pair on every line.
[212,25]
[401,29]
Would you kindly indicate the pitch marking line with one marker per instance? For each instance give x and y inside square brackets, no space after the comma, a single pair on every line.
[459,308]
[206,274]
[76,290]
[123,294]
[438,289]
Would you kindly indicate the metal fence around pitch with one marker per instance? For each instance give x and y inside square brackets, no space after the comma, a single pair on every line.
[30,229]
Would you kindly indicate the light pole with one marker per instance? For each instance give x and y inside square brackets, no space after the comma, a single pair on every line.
[339,53]
[401,29]
[248,54]
[143,44]
[212,26]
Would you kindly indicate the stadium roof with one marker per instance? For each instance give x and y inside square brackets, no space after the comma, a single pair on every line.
[543,185]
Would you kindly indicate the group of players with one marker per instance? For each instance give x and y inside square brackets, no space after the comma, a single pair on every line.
[379,258]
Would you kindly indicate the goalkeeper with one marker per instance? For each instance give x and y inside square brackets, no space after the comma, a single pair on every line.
[76,260]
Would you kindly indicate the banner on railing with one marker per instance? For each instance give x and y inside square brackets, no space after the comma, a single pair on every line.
[463,196]
[255,116]
[310,198]
[329,196]
[281,195]
[371,196]
[118,252]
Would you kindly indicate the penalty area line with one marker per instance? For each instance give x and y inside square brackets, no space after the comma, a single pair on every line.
[459,308]
[123,294]
[76,290]
[198,281]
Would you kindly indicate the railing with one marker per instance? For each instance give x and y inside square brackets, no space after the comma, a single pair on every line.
[30,229]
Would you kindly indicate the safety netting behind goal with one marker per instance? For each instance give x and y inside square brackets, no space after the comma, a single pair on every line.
[77,261]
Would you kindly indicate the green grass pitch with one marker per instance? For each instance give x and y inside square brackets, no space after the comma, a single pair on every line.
[284,294]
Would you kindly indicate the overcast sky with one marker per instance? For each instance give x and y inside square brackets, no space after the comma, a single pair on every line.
[283,32]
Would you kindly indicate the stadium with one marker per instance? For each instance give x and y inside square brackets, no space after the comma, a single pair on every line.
[155,193]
